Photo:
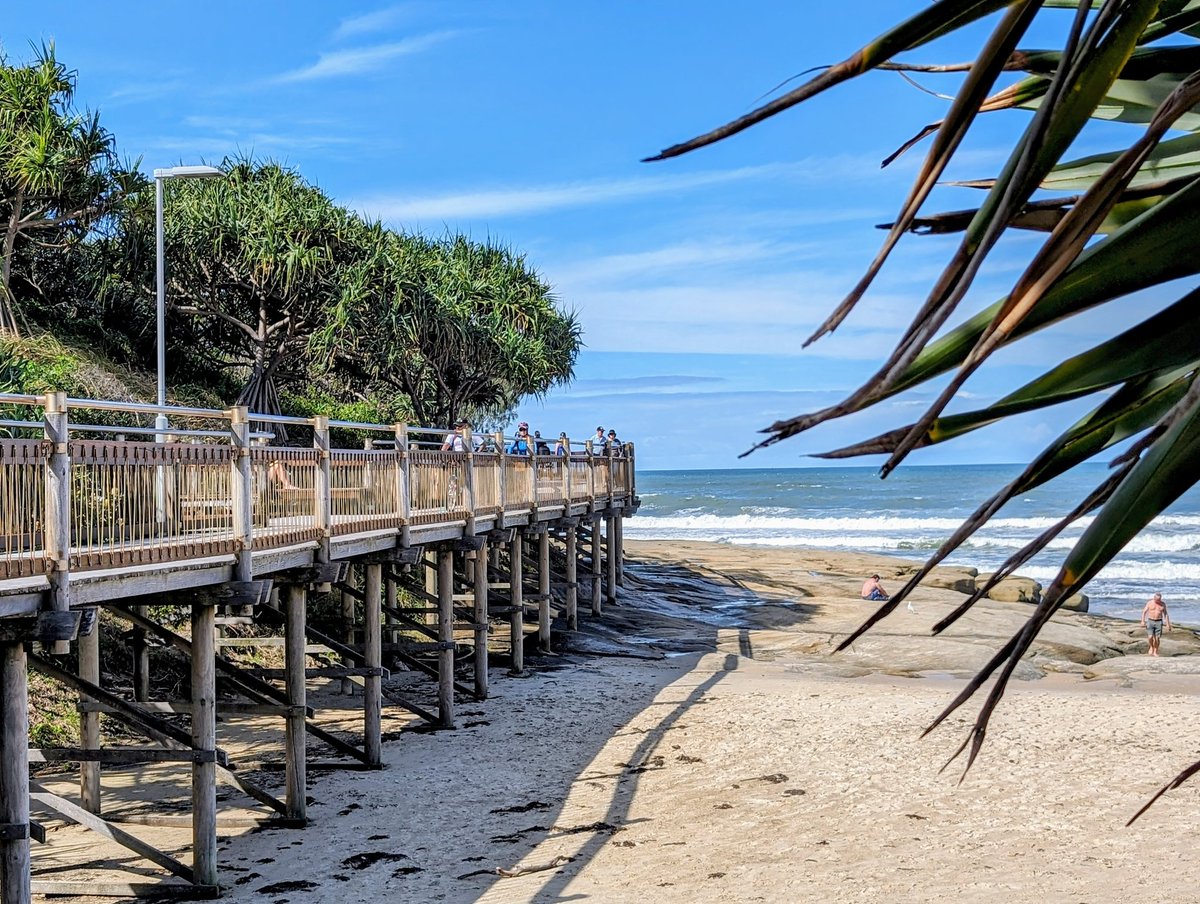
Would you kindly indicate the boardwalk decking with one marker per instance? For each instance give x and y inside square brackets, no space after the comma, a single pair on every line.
[212,519]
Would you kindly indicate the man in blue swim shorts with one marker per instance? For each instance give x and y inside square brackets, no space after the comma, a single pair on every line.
[871,589]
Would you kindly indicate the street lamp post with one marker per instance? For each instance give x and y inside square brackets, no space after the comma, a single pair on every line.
[160,178]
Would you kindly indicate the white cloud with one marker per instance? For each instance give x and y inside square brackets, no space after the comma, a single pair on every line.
[524,200]
[363,59]
[370,23]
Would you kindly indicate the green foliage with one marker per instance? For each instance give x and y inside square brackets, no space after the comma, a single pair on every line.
[456,326]
[53,719]
[58,169]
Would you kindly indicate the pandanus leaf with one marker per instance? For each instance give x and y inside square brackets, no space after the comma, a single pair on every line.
[932,22]
[1135,408]
[1163,343]
[953,129]
[1173,159]
[1056,256]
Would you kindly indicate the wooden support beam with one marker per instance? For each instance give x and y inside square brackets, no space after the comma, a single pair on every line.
[89,725]
[14,774]
[610,547]
[316,573]
[153,890]
[122,756]
[516,616]
[230,593]
[572,576]
[445,592]
[373,660]
[204,739]
[297,597]
[91,821]
[597,607]
[481,623]
[159,729]
[544,591]
[425,714]
[46,627]
[619,523]
[397,555]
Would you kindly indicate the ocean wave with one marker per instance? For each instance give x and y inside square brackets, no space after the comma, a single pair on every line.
[1152,573]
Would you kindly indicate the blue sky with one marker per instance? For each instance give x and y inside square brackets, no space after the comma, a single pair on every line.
[696,279]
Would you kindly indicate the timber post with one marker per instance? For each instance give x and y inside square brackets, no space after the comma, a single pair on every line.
[89,722]
[572,576]
[324,486]
[373,660]
[445,628]
[14,774]
[481,622]
[296,766]
[516,615]
[610,540]
[619,524]
[597,607]
[403,483]
[243,491]
[204,739]
[58,506]
[544,589]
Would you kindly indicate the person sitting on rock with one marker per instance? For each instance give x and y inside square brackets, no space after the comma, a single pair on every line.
[871,590]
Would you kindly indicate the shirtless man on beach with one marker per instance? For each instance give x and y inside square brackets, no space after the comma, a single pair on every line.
[871,590]
[1154,618]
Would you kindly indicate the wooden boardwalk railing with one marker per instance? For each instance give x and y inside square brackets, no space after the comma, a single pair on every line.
[209,517]
[137,502]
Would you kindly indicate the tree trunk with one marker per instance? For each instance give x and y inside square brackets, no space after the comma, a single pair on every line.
[8,317]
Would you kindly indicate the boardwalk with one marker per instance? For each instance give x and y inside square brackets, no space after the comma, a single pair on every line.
[207,516]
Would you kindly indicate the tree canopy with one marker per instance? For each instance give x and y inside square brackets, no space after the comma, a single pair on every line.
[1129,221]
[58,168]
[457,327]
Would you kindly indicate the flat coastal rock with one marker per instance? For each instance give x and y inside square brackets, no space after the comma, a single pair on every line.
[1014,589]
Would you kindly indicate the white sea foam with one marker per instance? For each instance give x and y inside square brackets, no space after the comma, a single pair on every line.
[1154,573]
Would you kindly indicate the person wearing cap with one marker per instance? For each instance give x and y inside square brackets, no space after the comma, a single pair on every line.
[540,444]
[560,447]
[520,445]
[459,440]
[599,443]
[614,444]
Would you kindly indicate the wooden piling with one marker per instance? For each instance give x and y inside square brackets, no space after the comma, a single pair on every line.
[89,722]
[619,523]
[611,561]
[14,775]
[597,607]
[373,659]
[516,617]
[348,620]
[141,663]
[204,737]
[481,622]
[445,615]
[544,591]
[572,578]
[296,766]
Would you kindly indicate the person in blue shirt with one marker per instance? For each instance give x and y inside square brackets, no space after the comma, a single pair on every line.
[599,443]
[521,445]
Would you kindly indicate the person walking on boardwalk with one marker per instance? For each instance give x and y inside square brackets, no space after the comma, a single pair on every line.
[460,440]
[599,443]
[871,589]
[1154,617]
[520,445]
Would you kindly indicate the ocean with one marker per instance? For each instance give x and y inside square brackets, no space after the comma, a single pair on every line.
[911,512]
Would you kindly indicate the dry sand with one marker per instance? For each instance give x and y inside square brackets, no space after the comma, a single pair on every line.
[700,743]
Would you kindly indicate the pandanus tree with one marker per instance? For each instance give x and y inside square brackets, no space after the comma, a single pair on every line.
[1117,223]
[452,326]
[59,172]
[259,258]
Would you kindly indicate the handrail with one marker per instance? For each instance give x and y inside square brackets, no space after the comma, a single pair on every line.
[74,504]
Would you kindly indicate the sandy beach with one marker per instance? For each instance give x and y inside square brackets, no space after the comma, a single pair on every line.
[700,743]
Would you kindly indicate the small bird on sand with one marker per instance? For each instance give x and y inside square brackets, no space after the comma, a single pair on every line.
[911,608]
